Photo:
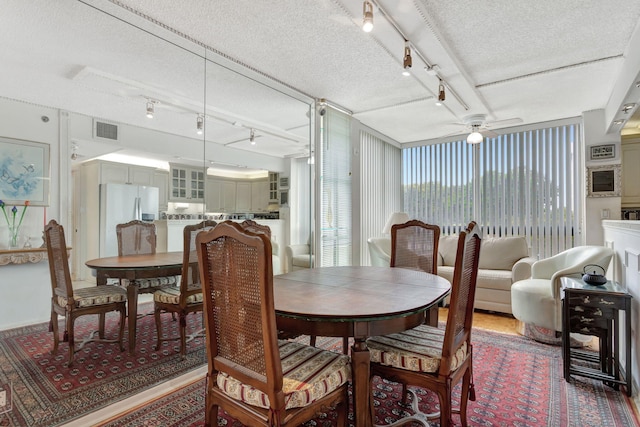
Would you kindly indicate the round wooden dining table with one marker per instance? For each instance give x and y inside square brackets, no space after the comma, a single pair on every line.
[132,267]
[357,302]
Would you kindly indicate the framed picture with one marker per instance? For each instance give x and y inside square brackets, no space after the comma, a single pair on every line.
[601,152]
[603,181]
[24,172]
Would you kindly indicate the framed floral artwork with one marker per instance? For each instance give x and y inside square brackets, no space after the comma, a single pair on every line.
[24,172]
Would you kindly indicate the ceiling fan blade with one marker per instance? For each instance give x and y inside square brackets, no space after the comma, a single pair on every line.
[488,133]
[505,122]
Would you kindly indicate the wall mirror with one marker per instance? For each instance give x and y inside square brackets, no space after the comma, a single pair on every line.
[111,65]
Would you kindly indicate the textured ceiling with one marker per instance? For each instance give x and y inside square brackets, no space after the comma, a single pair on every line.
[515,62]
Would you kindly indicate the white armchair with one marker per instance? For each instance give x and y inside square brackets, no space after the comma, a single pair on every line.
[379,251]
[299,257]
[537,300]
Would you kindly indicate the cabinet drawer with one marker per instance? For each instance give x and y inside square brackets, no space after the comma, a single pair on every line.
[600,301]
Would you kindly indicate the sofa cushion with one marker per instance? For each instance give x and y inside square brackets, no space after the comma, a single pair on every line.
[494,279]
[500,253]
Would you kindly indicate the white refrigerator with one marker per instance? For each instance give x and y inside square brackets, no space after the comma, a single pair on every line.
[121,203]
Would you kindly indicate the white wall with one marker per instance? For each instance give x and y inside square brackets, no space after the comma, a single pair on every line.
[25,290]
[595,134]
[624,238]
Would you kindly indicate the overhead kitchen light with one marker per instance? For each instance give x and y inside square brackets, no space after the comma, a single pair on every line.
[475,137]
[367,17]
[199,124]
[628,107]
[406,61]
[618,122]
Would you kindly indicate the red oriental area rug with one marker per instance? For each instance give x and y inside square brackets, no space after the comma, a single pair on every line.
[43,391]
[518,383]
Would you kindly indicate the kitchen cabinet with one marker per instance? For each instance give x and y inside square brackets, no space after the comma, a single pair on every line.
[259,196]
[187,184]
[220,195]
[630,171]
[161,180]
[122,173]
[243,196]
[273,187]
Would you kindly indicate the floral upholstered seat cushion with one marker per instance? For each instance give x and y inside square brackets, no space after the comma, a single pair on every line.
[155,282]
[171,295]
[95,295]
[309,374]
[418,349]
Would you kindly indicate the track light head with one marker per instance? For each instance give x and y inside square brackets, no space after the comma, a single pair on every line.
[199,124]
[406,61]
[367,17]
[252,137]
[441,94]
[150,109]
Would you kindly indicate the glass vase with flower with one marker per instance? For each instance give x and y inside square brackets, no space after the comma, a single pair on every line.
[14,226]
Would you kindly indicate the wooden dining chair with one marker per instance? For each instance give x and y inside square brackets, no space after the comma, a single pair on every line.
[433,358]
[186,297]
[139,238]
[414,244]
[254,377]
[73,303]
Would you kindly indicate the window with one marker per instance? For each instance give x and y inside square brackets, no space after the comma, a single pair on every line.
[335,190]
[523,183]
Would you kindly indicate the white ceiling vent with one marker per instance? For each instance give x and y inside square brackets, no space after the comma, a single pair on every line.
[105,130]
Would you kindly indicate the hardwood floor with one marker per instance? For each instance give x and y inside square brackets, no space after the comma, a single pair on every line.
[498,322]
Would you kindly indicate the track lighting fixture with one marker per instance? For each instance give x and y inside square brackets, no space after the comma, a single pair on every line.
[252,137]
[441,94]
[150,109]
[199,124]
[406,61]
[74,151]
[367,17]
[475,137]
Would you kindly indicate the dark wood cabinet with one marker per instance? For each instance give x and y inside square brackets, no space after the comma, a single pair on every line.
[597,311]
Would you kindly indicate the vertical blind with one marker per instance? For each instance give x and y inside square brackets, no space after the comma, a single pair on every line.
[335,190]
[380,171]
[529,185]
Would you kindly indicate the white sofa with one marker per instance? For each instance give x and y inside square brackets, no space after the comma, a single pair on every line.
[503,261]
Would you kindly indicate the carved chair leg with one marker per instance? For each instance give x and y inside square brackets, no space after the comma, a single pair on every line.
[183,334]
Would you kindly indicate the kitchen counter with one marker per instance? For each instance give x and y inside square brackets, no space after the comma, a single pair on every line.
[170,233]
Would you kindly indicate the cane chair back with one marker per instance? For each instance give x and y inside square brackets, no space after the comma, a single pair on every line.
[136,237]
[139,238]
[414,245]
[430,357]
[253,226]
[187,296]
[70,303]
[252,375]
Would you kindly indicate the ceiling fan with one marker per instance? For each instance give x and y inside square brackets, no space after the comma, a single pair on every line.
[480,128]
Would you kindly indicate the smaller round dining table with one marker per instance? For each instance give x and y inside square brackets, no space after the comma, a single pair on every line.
[357,302]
